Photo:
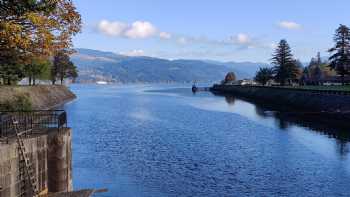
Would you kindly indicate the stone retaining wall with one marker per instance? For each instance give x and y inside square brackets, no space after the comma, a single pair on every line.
[304,99]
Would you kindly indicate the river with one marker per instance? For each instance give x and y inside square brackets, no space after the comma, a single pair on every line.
[162,140]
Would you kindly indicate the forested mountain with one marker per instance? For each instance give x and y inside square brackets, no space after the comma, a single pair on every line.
[94,65]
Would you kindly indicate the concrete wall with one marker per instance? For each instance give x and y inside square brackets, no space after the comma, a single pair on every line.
[41,96]
[40,147]
[290,97]
[60,162]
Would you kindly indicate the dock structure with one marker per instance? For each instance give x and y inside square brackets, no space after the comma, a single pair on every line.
[35,149]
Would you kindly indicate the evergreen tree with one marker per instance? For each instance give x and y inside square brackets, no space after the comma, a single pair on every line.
[285,66]
[11,73]
[10,69]
[264,75]
[315,71]
[340,58]
[305,76]
[319,60]
[299,69]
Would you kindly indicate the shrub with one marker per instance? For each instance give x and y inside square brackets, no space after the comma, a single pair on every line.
[19,103]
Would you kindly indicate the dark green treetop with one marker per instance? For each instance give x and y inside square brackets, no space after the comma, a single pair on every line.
[264,75]
[285,66]
[340,53]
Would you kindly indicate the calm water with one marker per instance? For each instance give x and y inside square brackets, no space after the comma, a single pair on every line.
[165,141]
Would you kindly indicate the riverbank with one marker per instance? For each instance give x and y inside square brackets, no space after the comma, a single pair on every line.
[316,100]
[41,97]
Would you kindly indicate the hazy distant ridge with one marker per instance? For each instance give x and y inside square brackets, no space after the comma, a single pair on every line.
[94,65]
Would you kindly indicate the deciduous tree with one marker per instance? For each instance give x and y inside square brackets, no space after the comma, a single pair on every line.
[37,69]
[35,29]
[63,67]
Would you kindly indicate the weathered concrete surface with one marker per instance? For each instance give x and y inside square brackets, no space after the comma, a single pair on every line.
[41,96]
[60,162]
[290,97]
[38,146]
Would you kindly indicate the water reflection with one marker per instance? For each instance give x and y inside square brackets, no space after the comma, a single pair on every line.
[331,125]
[173,143]
[230,99]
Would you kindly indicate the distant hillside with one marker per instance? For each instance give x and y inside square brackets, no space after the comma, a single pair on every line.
[248,68]
[94,65]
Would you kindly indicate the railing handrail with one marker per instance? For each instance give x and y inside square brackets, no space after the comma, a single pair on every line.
[30,120]
[54,110]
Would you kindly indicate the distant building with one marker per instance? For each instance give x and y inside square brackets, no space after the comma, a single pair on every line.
[244,82]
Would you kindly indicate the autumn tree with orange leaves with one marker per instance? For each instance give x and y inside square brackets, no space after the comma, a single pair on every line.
[34,31]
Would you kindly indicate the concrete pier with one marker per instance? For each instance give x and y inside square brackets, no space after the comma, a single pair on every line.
[50,154]
[59,160]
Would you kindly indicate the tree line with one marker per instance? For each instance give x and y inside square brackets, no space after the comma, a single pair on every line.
[36,40]
[287,70]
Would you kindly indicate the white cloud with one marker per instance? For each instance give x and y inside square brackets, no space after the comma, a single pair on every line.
[141,29]
[164,35]
[112,28]
[182,40]
[273,45]
[243,39]
[136,52]
[136,30]
[289,25]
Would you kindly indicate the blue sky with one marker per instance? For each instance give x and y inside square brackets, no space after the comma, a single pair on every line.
[225,30]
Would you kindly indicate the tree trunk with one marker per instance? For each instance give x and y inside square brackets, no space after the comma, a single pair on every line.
[30,80]
[342,79]
[61,80]
[33,81]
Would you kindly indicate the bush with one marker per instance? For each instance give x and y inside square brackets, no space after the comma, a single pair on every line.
[19,103]
[230,77]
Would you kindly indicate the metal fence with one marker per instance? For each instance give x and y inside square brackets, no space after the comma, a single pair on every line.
[31,121]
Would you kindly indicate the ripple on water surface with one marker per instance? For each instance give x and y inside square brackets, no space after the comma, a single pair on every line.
[173,143]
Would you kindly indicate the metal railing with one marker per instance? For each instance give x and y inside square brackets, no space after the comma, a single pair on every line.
[31,121]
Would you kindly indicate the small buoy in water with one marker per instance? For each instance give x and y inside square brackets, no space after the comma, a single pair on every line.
[194,88]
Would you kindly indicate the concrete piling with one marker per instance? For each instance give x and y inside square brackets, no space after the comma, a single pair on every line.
[50,153]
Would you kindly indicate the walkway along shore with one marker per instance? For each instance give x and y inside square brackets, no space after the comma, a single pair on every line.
[320,101]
